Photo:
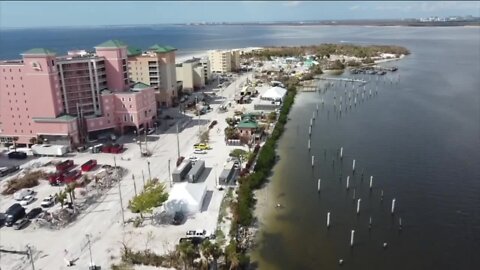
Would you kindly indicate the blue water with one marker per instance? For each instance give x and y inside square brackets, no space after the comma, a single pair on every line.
[420,138]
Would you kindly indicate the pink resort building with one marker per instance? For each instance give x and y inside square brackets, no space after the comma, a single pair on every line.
[74,98]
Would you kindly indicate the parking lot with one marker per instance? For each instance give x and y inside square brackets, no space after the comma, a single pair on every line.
[102,218]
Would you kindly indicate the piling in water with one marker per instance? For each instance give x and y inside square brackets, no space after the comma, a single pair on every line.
[393,206]
[309,144]
[352,235]
[353,165]
[358,206]
[319,184]
[313,161]
[371,182]
[341,152]
[328,220]
[348,182]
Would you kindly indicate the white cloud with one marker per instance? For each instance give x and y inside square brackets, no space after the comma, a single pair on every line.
[292,3]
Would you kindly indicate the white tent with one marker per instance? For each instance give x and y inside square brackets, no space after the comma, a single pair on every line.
[186,197]
[275,93]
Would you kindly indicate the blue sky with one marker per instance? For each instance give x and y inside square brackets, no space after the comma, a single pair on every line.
[44,13]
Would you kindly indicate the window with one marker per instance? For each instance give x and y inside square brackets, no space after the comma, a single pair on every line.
[31,132]
[53,63]
[129,99]
[131,117]
[21,79]
[125,118]
[123,99]
[146,113]
[130,106]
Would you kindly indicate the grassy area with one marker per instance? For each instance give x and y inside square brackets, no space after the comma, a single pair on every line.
[29,180]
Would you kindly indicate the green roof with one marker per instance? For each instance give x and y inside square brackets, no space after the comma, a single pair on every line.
[113,43]
[139,86]
[162,49]
[132,51]
[247,123]
[40,51]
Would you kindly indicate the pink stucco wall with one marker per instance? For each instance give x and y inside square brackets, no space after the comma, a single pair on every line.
[114,58]
[135,109]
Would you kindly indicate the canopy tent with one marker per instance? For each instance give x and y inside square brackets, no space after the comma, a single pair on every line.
[275,94]
[186,197]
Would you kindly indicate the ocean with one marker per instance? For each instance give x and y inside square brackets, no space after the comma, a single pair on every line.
[419,137]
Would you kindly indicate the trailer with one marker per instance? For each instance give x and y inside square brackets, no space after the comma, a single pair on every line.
[181,171]
[64,165]
[227,174]
[196,171]
[89,165]
[49,150]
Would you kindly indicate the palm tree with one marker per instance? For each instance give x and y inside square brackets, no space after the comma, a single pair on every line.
[187,253]
[61,197]
[70,189]
[215,252]
[15,139]
[33,140]
[232,256]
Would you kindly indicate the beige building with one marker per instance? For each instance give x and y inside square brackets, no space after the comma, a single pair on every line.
[191,74]
[235,58]
[155,67]
[207,73]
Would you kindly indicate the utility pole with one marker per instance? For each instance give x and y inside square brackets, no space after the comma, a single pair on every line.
[143,179]
[169,174]
[178,145]
[30,255]
[134,184]
[119,191]
[90,250]
[149,172]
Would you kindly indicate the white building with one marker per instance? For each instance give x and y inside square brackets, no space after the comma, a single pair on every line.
[223,61]
[192,74]
[186,197]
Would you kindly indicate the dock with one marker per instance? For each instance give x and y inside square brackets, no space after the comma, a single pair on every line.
[341,79]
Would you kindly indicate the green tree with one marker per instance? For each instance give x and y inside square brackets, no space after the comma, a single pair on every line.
[33,140]
[272,116]
[232,257]
[187,253]
[240,154]
[230,133]
[154,195]
[61,197]
[70,190]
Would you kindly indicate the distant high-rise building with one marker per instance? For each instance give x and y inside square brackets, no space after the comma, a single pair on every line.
[222,61]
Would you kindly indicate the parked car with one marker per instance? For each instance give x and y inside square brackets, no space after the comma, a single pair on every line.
[199,233]
[116,148]
[194,240]
[214,122]
[34,212]
[3,217]
[14,213]
[6,171]
[199,152]
[201,146]
[178,218]
[193,158]
[17,155]
[49,201]
[22,193]
[168,117]
[19,224]
[27,200]
[89,165]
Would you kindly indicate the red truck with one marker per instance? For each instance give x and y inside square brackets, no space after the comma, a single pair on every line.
[71,176]
[65,165]
[116,148]
[56,179]
[89,165]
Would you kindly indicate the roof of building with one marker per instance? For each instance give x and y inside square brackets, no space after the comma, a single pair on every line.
[162,49]
[133,51]
[247,123]
[275,93]
[62,118]
[139,86]
[39,51]
[113,43]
